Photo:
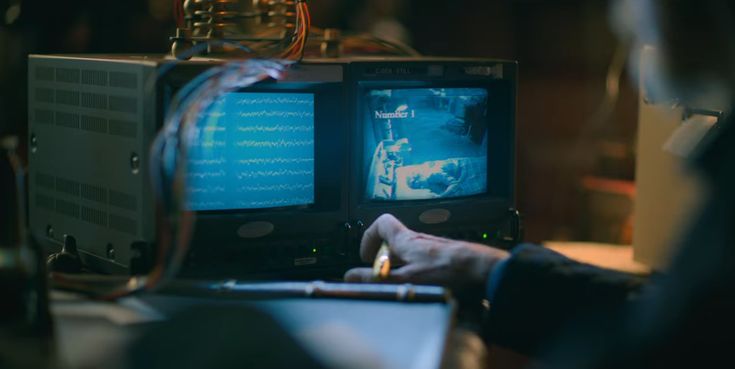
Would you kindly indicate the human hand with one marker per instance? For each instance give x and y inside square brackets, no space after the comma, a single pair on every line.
[426,259]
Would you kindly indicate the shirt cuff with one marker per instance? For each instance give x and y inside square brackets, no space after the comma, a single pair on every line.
[494,278]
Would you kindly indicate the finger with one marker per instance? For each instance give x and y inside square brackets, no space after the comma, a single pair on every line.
[359,275]
[385,228]
[411,273]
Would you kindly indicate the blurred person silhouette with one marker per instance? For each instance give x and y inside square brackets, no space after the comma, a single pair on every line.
[574,315]
[382,18]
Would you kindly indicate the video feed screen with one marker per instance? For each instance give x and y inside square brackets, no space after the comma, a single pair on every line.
[253,151]
[425,143]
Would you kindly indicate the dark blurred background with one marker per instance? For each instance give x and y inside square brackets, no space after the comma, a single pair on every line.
[563,47]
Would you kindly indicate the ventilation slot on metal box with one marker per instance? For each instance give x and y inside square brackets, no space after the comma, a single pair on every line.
[67,75]
[94,124]
[66,97]
[94,77]
[94,216]
[94,101]
[68,187]
[67,208]
[67,120]
[94,193]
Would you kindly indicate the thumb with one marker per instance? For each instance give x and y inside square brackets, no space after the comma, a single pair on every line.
[359,275]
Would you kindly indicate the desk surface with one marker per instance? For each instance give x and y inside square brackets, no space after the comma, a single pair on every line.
[342,333]
[346,333]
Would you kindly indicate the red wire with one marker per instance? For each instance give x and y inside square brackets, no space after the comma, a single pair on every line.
[178,13]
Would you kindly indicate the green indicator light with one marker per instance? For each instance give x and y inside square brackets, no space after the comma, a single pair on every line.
[313,250]
[484,236]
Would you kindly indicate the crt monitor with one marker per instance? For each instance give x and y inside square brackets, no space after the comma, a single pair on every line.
[433,144]
[265,175]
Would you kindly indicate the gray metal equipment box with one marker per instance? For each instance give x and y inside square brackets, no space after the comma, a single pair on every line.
[90,125]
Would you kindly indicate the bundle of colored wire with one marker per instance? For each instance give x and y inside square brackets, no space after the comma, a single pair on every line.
[295,51]
[290,47]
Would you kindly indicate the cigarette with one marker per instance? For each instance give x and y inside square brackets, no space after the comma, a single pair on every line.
[381,265]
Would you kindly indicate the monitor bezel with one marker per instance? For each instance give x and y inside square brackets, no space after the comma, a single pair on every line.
[331,137]
[487,207]
[496,165]
[362,94]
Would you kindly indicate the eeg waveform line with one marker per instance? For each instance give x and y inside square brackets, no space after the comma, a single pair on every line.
[278,128]
[255,150]
[276,100]
[208,162]
[267,161]
[275,144]
[272,203]
[215,189]
[205,175]
[275,114]
[280,187]
[275,173]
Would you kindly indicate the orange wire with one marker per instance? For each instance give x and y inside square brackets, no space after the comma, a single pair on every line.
[303,19]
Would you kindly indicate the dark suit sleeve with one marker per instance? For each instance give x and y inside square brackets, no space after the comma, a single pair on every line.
[539,291]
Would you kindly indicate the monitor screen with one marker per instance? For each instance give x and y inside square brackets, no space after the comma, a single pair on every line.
[425,143]
[253,150]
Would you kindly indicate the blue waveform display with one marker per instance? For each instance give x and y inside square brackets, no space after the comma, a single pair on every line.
[425,143]
[251,151]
